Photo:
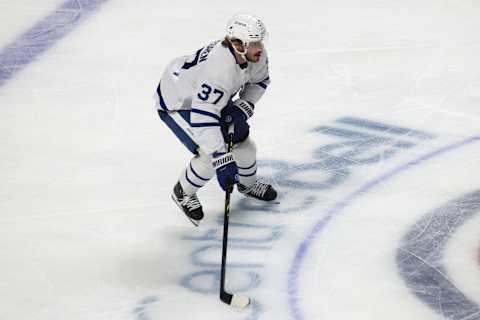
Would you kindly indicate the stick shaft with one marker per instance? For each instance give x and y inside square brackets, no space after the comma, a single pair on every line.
[223,295]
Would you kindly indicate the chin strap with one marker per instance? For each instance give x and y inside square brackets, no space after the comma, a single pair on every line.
[245,45]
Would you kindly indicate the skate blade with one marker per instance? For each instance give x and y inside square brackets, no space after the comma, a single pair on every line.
[253,199]
[196,223]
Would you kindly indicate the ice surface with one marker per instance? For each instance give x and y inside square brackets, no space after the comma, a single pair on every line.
[369,130]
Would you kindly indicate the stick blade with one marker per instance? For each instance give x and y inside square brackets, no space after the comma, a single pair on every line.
[240,301]
[235,300]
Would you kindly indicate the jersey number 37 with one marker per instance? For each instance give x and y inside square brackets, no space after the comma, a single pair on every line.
[205,92]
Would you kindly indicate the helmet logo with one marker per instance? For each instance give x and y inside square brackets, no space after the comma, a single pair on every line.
[246,27]
[240,23]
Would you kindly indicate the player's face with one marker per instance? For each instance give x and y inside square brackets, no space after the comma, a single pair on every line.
[254,51]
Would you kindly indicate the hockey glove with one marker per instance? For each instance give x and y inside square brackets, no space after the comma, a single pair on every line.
[227,171]
[245,106]
[236,113]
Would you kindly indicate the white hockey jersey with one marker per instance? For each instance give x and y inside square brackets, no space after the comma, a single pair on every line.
[204,83]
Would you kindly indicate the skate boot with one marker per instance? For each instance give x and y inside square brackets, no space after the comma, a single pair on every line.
[188,203]
[259,190]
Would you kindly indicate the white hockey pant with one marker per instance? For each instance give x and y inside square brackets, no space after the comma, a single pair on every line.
[200,170]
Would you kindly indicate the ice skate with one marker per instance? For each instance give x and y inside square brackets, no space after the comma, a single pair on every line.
[189,204]
[259,190]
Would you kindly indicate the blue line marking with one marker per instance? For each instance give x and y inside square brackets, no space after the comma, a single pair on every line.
[420,258]
[43,35]
[302,250]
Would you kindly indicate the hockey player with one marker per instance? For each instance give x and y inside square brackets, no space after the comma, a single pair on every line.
[201,95]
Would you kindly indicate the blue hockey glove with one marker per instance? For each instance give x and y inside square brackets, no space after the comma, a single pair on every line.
[237,113]
[227,171]
[239,110]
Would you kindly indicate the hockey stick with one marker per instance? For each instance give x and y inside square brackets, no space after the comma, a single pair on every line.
[235,300]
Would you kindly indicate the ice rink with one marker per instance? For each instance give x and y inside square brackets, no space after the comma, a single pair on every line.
[370,130]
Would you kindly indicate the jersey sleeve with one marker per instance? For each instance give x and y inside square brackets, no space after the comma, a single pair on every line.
[212,93]
[259,81]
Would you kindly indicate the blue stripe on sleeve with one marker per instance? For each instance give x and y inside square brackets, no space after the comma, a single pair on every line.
[162,103]
[263,85]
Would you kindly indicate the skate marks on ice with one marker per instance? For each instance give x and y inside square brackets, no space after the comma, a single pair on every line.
[43,35]
[337,209]
[420,258]
[140,312]
[359,142]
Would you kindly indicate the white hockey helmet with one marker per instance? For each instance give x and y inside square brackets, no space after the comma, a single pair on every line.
[247,28]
